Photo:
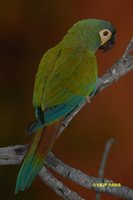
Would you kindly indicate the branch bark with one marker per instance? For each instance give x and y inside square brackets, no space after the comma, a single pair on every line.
[14,154]
[108,145]
[60,189]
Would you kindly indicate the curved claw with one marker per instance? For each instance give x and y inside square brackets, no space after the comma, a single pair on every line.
[88,99]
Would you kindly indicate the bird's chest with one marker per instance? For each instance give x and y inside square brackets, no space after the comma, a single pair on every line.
[84,80]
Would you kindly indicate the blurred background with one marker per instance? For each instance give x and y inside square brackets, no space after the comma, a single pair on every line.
[27,30]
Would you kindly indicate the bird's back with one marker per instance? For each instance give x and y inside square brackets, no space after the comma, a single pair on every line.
[64,72]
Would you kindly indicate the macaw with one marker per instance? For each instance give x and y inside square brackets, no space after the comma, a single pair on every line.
[66,77]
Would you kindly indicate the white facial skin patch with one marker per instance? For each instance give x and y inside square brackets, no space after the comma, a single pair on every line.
[105,35]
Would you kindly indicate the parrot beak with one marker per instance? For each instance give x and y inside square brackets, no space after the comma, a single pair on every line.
[109,44]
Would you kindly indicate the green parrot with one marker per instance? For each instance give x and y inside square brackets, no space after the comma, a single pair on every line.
[66,77]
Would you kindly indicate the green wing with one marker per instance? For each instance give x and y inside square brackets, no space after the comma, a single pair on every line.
[45,68]
[70,72]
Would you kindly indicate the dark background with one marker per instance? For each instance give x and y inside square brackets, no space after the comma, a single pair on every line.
[27,29]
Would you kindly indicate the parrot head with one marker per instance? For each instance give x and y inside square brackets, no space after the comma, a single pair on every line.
[94,34]
[107,39]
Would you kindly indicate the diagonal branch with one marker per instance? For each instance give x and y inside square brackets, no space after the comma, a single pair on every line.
[59,188]
[85,180]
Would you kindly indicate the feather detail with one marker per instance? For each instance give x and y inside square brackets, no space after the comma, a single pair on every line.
[40,145]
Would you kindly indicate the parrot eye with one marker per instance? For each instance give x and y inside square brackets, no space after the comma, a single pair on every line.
[105,35]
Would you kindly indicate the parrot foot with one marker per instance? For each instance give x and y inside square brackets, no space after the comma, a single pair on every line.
[88,99]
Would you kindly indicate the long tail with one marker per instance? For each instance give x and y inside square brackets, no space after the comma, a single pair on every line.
[40,145]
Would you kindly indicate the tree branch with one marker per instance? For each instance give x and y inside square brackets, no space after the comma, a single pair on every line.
[108,145]
[85,180]
[58,186]
[14,154]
